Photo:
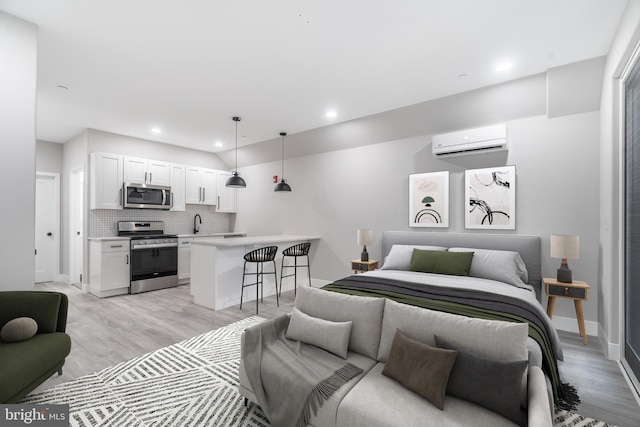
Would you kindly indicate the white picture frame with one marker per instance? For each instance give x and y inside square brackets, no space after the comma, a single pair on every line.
[490,198]
[429,199]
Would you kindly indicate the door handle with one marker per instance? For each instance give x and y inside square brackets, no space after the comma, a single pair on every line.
[77,233]
[150,176]
[49,234]
[127,259]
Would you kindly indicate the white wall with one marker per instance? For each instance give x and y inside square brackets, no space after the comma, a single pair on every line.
[612,183]
[18,63]
[48,157]
[337,192]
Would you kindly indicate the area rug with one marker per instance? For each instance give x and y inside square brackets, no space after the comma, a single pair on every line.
[191,383]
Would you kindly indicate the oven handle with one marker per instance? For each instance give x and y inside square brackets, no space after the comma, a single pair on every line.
[154,246]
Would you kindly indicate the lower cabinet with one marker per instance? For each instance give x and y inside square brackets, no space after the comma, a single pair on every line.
[109,267]
[184,257]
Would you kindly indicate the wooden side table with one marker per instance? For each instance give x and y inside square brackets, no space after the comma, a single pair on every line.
[575,290]
[359,266]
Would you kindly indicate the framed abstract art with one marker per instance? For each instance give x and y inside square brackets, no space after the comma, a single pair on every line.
[490,198]
[429,199]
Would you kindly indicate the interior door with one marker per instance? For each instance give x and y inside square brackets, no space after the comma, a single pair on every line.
[632,221]
[76,225]
[47,227]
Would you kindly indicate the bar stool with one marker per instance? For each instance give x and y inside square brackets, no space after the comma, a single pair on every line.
[295,251]
[260,256]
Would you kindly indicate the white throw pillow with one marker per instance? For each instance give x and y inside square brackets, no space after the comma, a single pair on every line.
[502,266]
[330,336]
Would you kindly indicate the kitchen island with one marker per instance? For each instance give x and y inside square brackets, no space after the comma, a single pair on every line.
[216,268]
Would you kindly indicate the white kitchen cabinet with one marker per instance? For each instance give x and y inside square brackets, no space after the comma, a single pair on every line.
[201,186]
[226,195]
[144,171]
[184,259]
[178,187]
[106,171]
[109,267]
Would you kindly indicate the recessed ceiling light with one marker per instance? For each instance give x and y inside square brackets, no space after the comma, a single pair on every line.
[504,66]
[218,144]
[156,130]
[332,113]
[63,87]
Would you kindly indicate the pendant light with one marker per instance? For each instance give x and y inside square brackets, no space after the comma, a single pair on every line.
[236,180]
[282,185]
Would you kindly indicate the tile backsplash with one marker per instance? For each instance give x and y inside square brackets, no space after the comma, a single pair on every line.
[103,222]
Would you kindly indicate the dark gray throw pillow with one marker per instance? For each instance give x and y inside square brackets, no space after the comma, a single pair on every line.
[420,367]
[492,384]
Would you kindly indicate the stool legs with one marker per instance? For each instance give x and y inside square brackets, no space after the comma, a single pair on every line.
[295,267]
[259,283]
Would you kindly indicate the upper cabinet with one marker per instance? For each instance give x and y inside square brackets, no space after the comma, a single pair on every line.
[106,181]
[226,195]
[201,186]
[189,184]
[178,186]
[143,171]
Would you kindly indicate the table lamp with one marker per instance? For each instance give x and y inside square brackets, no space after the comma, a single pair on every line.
[565,247]
[365,237]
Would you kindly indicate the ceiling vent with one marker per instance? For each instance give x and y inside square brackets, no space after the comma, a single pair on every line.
[471,141]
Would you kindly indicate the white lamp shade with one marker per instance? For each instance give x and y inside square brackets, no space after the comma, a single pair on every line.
[365,237]
[565,246]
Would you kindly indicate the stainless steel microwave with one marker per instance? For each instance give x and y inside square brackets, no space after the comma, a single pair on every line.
[145,196]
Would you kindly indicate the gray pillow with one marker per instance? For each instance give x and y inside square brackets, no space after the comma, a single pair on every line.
[492,384]
[399,256]
[365,312]
[330,336]
[502,266]
[420,367]
[19,329]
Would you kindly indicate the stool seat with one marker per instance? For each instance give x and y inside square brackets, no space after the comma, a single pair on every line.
[295,251]
[259,257]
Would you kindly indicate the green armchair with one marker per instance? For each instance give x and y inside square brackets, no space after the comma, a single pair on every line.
[24,365]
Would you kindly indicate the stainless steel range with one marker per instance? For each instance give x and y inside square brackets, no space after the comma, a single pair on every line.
[154,255]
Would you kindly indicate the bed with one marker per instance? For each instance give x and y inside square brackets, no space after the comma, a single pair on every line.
[503,283]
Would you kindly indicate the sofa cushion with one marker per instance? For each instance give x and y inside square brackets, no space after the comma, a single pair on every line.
[364,312]
[19,329]
[25,361]
[494,339]
[330,336]
[438,262]
[420,367]
[493,384]
[43,307]
[399,256]
[377,400]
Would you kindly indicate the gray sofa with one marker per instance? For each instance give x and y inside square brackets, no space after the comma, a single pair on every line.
[372,399]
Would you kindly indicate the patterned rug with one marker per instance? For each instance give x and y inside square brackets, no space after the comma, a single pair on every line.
[191,383]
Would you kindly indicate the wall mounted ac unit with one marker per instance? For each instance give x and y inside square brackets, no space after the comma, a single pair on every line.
[471,141]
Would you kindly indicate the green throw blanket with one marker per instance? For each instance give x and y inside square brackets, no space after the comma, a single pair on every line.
[289,378]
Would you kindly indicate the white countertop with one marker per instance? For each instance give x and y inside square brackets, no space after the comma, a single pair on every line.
[201,235]
[254,240]
[107,239]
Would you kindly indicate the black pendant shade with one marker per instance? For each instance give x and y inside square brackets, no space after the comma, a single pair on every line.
[236,180]
[282,185]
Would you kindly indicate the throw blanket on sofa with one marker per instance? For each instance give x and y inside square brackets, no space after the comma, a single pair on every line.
[289,378]
[471,303]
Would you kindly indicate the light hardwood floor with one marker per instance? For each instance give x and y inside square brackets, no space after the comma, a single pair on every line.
[108,331]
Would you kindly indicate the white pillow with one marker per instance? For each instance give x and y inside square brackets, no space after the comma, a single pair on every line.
[330,336]
[502,266]
[399,256]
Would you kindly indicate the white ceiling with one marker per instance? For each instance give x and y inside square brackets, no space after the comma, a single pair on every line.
[188,66]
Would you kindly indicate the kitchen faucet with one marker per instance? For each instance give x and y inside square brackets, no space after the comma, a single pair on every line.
[195,225]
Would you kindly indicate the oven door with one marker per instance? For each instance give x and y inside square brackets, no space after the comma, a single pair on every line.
[151,263]
[144,196]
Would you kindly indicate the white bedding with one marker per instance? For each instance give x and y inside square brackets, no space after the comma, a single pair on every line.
[492,286]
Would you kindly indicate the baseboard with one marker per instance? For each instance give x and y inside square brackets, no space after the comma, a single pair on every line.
[570,324]
[318,283]
[611,350]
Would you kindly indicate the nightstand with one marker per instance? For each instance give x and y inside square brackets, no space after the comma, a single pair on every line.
[575,290]
[359,266]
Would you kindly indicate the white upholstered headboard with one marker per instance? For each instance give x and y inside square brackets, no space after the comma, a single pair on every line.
[529,247]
